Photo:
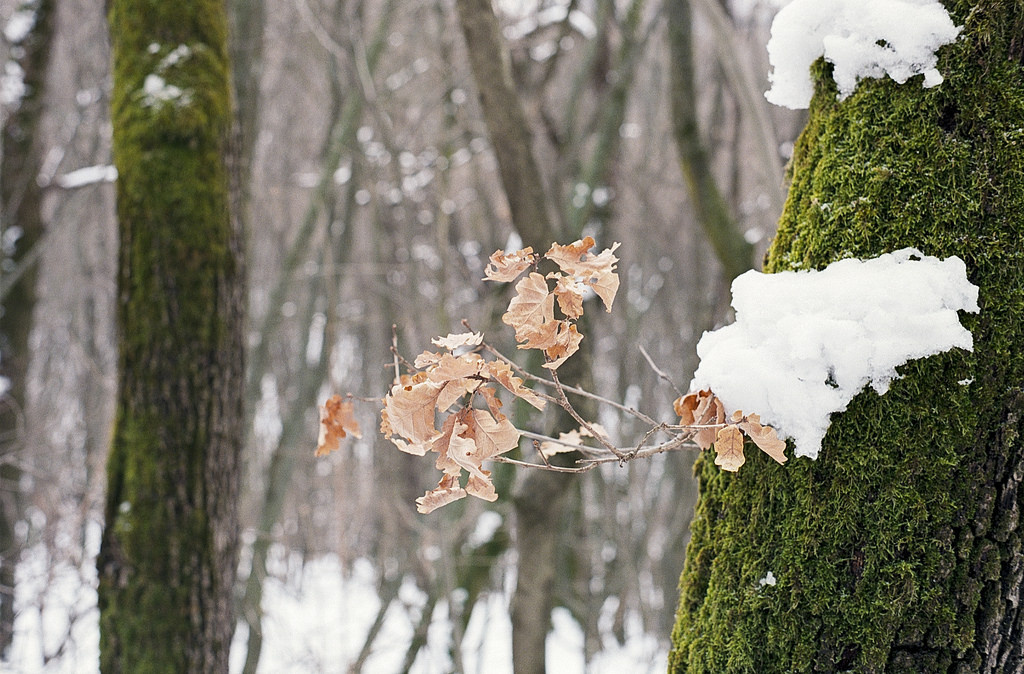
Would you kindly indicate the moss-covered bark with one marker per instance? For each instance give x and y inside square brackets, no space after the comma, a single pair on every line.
[899,550]
[168,554]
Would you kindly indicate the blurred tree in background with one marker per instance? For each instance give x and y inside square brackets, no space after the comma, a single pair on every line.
[374,186]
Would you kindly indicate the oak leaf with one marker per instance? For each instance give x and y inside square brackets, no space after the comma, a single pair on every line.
[764,437]
[596,271]
[410,414]
[501,372]
[454,341]
[482,488]
[684,406]
[505,267]
[494,404]
[531,308]
[567,442]
[710,414]
[454,374]
[567,342]
[447,491]
[569,293]
[451,446]
[336,421]
[569,256]
[729,449]
[426,359]
[493,436]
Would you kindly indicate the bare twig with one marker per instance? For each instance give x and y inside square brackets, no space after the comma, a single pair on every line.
[567,406]
[570,389]
[582,449]
[555,469]
[658,371]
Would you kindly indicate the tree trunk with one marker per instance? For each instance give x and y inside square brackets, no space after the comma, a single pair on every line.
[722,231]
[21,224]
[168,556]
[899,549]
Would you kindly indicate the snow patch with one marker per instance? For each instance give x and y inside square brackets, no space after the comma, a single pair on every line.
[90,175]
[156,90]
[805,343]
[19,25]
[861,38]
[12,85]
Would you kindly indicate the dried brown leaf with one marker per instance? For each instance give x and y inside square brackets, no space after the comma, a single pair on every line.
[494,404]
[567,342]
[449,445]
[454,341]
[501,372]
[569,294]
[410,414]
[709,413]
[426,359]
[531,308]
[550,448]
[482,488]
[764,437]
[457,375]
[448,490]
[493,437]
[336,421]
[596,271]
[729,449]
[570,256]
[686,405]
[505,267]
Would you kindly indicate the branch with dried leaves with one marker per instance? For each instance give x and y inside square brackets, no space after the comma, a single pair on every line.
[459,386]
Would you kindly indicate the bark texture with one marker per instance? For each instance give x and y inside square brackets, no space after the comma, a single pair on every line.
[507,125]
[900,548]
[20,201]
[168,556]
[722,231]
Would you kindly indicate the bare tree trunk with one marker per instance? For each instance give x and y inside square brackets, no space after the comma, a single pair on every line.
[21,227]
[507,125]
[723,233]
[168,555]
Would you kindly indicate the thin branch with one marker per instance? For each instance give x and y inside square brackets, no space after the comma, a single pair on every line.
[567,406]
[570,389]
[554,469]
[658,371]
[583,449]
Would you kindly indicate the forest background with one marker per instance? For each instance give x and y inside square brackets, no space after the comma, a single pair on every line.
[373,197]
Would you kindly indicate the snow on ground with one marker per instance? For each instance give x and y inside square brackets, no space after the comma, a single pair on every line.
[805,343]
[316,620]
[862,38]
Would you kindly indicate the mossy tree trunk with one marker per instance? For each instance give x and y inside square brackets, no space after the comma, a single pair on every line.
[168,555]
[899,550]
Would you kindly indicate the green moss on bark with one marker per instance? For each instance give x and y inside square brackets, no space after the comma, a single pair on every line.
[899,549]
[168,553]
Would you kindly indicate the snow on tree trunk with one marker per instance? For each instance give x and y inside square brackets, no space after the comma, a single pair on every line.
[899,549]
[169,550]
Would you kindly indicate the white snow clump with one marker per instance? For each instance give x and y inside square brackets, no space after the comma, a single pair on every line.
[806,342]
[156,91]
[861,38]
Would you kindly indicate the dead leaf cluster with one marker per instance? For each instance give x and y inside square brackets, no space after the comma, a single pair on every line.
[531,313]
[467,436]
[337,419]
[703,411]
[449,404]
